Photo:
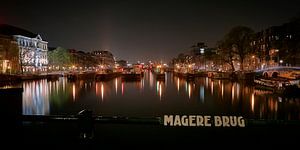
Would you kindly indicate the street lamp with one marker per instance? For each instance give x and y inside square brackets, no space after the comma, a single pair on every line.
[9,70]
[281,61]
[254,64]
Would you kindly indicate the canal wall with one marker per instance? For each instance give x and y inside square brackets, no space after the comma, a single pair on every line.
[11,111]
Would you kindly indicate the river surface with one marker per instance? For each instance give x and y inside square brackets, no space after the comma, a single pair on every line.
[151,98]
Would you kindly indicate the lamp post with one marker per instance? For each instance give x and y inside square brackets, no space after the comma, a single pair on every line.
[9,70]
[203,58]
[254,62]
[281,61]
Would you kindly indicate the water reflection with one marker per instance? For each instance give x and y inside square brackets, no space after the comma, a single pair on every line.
[74,91]
[36,98]
[252,102]
[222,89]
[178,86]
[116,85]
[232,92]
[203,95]
[151,79]
[142,83]
[211,87]
[189,89]
[101,89]
[122,88]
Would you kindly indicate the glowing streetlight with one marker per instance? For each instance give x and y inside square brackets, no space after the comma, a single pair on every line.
[281,61]
[9,69]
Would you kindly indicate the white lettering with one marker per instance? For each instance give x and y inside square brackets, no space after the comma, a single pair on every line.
[168,120]
[184,120]
[233,121]
[177,121]
[218,121]
[241,121]
[191,121]
[206,121]
[225,121]
[200,121]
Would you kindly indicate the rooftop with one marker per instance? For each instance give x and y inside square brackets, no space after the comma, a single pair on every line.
[10,30]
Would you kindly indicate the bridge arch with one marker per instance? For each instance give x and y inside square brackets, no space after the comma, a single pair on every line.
[275,74]
[265,74]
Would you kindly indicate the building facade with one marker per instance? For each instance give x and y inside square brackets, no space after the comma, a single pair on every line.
[9,58]
[33,53]
[105,58]
[278,45]
[32,49]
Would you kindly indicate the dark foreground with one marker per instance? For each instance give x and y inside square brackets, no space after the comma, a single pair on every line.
[39,135]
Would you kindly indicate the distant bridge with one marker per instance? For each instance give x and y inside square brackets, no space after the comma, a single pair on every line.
[282,71]
[279,68]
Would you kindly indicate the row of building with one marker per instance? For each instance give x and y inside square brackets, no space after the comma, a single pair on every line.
[101,59]
[279,45]
[22,51]
[274,46]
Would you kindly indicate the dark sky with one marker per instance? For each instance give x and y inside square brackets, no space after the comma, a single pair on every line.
[142,29]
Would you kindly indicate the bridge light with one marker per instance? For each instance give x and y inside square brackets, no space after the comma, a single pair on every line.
[281,61]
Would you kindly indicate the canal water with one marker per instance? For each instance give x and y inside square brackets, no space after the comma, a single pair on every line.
[151,98]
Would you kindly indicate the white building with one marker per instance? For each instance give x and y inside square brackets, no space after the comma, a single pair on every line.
[33,53]
[32,48]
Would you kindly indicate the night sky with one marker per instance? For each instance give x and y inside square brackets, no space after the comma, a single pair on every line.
[142,30]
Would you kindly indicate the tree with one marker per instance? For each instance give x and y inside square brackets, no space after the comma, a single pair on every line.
[226,54]
[237,41]
[59,57]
